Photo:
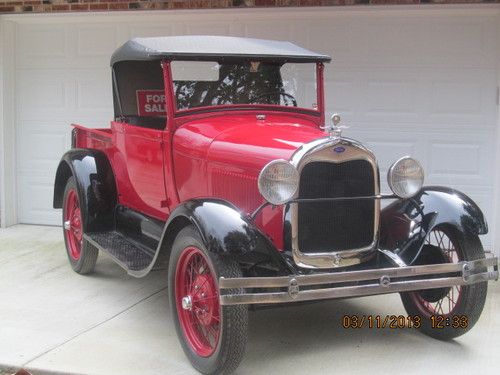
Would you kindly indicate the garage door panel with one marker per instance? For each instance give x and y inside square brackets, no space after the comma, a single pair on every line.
[36,207]
[78,46]
[448,158]
[474,48]
[329,37]
[392,97]
[463,97]
[410,41]
[41,91]
[152,30]
[342,90]
[457,160]
[278,30]
[93,91]
[33,48]
[208,28]
[380,42]
[40,152]
[96,40]
[63,95]
[452,98]
[388,151]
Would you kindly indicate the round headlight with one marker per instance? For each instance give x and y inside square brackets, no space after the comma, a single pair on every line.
[278,181]
[405,177]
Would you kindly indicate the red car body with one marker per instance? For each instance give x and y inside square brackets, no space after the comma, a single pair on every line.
[196,159]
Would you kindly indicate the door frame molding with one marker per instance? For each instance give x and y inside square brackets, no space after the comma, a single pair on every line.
[8,180]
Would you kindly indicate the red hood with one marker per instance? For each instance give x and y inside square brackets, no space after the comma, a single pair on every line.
[222,155]
[251,143]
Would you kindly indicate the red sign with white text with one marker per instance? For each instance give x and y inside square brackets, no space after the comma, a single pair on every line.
[151,103]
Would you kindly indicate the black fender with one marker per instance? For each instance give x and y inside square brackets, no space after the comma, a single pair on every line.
[224,231]
[96,186]
[405,223]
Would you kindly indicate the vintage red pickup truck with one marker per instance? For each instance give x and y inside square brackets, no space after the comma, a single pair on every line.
[220,166]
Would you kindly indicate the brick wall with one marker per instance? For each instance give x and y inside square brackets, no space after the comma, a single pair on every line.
[20,6]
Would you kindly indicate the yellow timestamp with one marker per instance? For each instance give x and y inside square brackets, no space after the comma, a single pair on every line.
[453,321]
[381,321]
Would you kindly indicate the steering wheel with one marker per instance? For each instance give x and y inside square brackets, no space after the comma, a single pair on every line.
[269,93]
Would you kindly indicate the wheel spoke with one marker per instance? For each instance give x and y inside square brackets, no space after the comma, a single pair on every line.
[201,323]
[446,304]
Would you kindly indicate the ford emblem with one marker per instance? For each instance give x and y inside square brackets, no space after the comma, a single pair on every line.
[339,149]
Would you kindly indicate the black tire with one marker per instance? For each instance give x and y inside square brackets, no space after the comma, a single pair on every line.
[87,259]
[470,300]
[233,325]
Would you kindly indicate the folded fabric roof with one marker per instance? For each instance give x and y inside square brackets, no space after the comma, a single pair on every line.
[215,48]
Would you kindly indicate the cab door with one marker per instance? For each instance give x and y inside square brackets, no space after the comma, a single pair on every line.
[141,150]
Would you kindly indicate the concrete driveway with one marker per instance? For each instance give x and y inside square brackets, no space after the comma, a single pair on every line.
[55,321]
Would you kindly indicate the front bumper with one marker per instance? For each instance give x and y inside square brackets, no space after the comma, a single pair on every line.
[295,288]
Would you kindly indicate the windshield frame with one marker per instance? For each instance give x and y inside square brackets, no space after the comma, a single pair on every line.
[172,103]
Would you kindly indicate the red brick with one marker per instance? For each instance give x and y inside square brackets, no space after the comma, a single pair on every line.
[118,6]
[180,4]
[309,3]
[32,2]
[99,6]
[394,2]
[79,7]
[60,7]
[5,9]
[287,3]
[343,2]
[265,3]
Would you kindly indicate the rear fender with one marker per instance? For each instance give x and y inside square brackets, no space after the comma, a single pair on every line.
[95,184]
[406,223]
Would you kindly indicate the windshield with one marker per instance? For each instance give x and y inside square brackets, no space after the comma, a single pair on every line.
[203,84]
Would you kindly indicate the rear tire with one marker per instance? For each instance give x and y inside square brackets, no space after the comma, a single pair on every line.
[81,254]
[212,336]
[464,302]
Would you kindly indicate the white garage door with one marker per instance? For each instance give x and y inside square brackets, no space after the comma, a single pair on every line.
[421,83]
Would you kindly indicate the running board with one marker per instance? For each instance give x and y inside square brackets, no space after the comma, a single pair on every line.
[130,255]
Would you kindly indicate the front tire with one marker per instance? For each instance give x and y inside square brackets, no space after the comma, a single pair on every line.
[81,254]
[440,309]
[212,336]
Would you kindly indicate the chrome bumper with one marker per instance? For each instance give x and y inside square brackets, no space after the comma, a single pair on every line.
[376,281]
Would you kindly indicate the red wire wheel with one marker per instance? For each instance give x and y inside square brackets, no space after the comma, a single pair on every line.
[197,301]
[212,336]
[447,244]
[72,221]
[441,301]
[81,254]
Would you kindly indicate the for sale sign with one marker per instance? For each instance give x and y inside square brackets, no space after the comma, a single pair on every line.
[151,103]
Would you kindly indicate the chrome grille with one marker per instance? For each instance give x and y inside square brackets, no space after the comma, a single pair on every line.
[334,234]
[341,225]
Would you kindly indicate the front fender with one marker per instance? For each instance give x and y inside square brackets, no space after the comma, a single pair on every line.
[405,223]
[225,231]
[95,184]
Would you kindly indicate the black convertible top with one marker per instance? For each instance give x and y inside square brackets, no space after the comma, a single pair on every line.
[216,48]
